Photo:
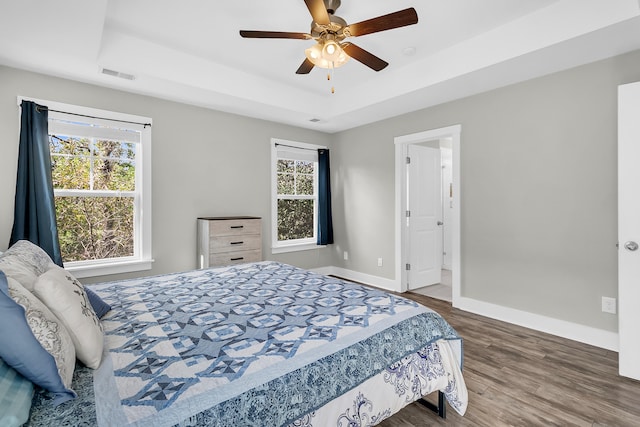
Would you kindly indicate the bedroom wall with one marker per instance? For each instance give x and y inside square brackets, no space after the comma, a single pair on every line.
[205,163]
[539,185]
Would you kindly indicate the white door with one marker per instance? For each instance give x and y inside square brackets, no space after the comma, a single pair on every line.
[425,216]
[629,229]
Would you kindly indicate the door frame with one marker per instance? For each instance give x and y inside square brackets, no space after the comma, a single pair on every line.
[401,148]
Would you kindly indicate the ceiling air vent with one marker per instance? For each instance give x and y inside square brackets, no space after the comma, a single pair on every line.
[115,73]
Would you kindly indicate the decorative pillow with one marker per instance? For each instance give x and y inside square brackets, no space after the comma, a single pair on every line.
[16,393]
[24,262]
[65,296]
[34,342]
[99,306]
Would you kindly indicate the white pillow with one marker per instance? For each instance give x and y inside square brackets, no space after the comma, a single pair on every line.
[66,298]
[18,271]
[24,262]
[47,329]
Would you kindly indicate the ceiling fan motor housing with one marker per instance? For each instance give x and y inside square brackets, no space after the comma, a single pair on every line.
[335,26]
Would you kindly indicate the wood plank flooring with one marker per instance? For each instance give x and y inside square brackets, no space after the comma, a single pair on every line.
[521,377]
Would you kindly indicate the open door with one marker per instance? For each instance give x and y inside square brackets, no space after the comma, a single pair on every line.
[629,229]
[424,216]
[402,146]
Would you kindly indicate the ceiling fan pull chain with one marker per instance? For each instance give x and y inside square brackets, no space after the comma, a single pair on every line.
[333,90]
[330,76]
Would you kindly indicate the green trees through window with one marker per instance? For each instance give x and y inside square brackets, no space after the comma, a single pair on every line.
[94,183]
[296,199]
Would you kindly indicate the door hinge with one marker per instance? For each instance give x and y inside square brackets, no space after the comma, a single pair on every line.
[408,160]
[408,266]
[408,213]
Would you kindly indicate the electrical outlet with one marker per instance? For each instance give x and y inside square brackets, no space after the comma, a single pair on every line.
[609,305]
[345,255]
[379,262]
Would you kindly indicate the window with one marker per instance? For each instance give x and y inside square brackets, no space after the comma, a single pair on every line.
[294,195]
[101,170]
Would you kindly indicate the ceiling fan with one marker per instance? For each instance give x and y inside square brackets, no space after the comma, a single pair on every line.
[330,31]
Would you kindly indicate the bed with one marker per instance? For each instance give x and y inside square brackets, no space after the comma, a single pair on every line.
[260,344]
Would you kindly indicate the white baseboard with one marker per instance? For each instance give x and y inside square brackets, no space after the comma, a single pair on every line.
[562,328]
[367,279]
[573,331]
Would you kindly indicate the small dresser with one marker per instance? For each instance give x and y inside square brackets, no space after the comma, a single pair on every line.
[229,240]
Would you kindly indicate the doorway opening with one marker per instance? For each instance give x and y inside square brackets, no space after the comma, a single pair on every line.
[428,212]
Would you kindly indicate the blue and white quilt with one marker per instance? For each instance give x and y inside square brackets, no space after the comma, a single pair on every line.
[265,344]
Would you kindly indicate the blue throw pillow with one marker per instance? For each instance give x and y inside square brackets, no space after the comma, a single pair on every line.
[99,306]
[21,350]
[16,393]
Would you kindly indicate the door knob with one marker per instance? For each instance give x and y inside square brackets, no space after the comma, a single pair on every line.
[631,246]
[440,223]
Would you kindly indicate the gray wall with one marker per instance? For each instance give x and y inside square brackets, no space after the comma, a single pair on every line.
[204,163]
[539,185]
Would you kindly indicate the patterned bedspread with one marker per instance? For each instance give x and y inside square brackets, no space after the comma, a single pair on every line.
[257,344]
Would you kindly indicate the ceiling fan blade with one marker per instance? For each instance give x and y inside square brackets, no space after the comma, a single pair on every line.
[305,67]
[274,35]
[398,19]
[318,11]
[367,58]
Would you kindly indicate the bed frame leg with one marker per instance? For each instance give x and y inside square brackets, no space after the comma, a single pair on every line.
[441,409]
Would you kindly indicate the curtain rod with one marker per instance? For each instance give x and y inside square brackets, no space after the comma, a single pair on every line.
[300,148]
[41,107]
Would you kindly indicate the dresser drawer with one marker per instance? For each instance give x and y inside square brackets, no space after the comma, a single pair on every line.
[234,227]
[238,242]
[238,257]
[228,240]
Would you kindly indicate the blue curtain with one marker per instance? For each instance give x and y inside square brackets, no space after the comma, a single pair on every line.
[35,213]
[325,223]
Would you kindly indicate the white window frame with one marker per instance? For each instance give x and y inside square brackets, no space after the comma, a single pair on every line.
[142,258]
[300,244]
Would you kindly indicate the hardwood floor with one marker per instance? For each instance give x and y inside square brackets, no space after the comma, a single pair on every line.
[521,377]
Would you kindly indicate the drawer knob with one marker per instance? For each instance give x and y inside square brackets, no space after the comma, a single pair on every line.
[236,243]
[237,226]
[237,259]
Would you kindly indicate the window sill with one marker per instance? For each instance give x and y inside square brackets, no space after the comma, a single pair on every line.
[105,268]
[295,248]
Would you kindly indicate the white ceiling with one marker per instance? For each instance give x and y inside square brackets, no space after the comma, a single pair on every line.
[190,51]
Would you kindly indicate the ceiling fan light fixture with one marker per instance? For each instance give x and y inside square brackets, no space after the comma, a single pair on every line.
[314,53]
[327,54]
[330,48]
